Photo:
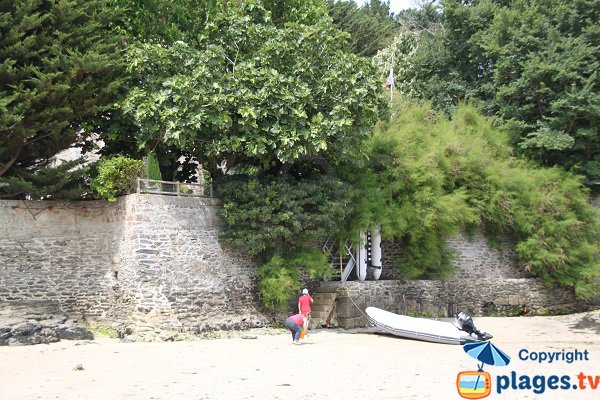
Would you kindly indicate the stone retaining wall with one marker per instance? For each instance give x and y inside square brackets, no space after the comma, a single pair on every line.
[474,258]
[173,273]
[145,265]
[150,265]
[507,297]
[487,281]
[62,252]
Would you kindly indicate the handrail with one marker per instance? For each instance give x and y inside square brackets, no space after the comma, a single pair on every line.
[327,248]
[154,186]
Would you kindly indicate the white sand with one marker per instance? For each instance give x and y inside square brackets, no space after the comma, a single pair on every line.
[331,364]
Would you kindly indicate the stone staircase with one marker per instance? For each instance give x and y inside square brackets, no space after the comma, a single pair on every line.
[323,308]
[337,306]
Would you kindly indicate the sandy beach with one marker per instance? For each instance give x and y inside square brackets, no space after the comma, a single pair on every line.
[331,364]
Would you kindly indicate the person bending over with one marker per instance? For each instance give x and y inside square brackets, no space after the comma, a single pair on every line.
[296,323]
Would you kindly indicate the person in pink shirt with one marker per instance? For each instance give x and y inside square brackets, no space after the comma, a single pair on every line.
[296,323]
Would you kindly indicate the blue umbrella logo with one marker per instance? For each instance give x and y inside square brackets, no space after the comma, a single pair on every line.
[487,353]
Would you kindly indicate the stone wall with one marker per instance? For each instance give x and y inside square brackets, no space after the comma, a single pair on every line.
[507,297]
[487,281]
[145,264]
[175,275]
[474,258]
[62,252]
[149,265]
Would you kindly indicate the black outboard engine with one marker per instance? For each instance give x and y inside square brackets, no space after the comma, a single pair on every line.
[465,323]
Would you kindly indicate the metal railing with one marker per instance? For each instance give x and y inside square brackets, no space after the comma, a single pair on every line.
[329,248]
[152,186]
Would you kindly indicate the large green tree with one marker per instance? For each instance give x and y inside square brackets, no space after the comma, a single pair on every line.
[59,66]
[255,91]
[428,177]
[533,64]
[546,57]
[434,57]
[161,21]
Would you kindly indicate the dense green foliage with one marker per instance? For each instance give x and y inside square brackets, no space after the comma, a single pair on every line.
[433,57]
[254,92]
[546,61]
[371,27]
[281,216]
[59,66]
[282,222]
[116,177]
[533,64]
[404,189]
[280,277]
[428,177]
[160,21]
[67,181]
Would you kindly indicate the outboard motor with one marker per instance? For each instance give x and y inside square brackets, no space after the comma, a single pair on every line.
[465,323]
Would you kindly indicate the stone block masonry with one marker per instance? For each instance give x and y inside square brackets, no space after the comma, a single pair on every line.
[151,266]
[144,265]
[487,282]
[506,297]
[174,274]
[58,251]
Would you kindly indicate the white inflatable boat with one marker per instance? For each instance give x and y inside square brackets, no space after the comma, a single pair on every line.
[426,329]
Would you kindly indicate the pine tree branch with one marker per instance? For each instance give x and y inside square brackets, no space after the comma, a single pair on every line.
[6,166]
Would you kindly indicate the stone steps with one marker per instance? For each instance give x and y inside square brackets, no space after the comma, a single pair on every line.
[323,308]
[324,296]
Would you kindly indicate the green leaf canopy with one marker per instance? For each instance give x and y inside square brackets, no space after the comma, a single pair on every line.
[255,90]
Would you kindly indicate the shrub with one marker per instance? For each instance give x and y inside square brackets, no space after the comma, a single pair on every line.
[279,220]
[279,278]
[277,282]
[153,168]
[268,216]
[116,177]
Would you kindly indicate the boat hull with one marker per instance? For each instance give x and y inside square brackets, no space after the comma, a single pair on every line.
[417,328]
